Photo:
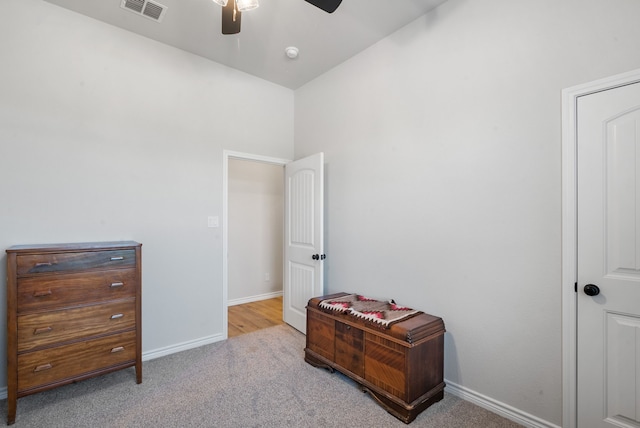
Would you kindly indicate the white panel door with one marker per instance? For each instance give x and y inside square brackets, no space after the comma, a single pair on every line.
[303,237]
[609,258]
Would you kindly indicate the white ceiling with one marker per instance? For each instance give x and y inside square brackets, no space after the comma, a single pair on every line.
[324,40]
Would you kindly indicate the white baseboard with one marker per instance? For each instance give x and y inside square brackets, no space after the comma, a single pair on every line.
[179,347]
[497,407]
[257,298]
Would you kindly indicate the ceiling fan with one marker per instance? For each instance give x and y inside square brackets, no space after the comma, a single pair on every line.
[232,11]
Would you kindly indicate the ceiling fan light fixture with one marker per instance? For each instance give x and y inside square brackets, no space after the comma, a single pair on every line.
[244,5]
[222,3]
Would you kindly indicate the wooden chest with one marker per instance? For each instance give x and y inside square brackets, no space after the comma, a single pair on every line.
[73,312]
[401,367]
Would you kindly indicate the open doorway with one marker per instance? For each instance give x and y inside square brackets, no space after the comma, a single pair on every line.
[253,242]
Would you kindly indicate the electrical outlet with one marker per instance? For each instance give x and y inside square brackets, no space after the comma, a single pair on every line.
[267,277]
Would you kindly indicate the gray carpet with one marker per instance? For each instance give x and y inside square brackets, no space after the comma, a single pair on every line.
[255,380]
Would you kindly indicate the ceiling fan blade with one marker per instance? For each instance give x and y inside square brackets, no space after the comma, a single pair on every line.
[327,5]
[231,18]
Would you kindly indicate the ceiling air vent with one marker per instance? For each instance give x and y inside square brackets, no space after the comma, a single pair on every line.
[146,8]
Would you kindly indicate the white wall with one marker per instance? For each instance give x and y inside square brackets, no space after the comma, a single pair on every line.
[105,135]
[442,148]
[442,145]
[256,211]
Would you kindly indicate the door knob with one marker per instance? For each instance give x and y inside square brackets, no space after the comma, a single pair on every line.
[591,290]
[316,257]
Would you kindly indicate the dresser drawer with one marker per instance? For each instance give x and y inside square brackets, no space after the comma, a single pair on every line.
[59,291]
[44,263]
[38,330]
[64,362]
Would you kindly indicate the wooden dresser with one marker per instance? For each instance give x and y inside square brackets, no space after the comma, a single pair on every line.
[400,367]
[73,312]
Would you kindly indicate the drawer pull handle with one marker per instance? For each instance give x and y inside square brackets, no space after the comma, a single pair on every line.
[116,316]
[42,330]
[42,293]
[116,284]
[114,259]
[42,367]
[118,349]
[43,264]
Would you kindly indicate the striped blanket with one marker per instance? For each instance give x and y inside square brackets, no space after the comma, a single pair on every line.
[382,313]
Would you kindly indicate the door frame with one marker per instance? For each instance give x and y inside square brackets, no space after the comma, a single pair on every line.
[226,155]
[569,235]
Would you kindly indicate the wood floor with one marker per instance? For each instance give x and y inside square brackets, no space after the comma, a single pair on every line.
[254,316]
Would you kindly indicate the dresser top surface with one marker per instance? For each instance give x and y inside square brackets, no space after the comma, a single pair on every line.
[79,246]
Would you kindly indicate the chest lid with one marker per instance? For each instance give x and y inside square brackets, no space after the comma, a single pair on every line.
[404,324]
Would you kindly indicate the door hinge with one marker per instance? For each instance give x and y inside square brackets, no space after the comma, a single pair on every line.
[575,287]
